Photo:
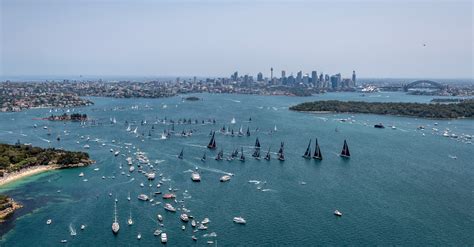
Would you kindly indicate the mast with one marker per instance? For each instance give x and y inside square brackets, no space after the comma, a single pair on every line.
[242,156]
[248,131]
[317,152]
[307,154]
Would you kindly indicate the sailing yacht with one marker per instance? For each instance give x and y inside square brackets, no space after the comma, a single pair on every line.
[220,155]
[203,159]
[248,131]
[232,121]
[317,152]
[281,155]
[115,224]
[242,156]
[267,157]
[212,142]
[345,151]
[256,154]
[307,153]
[180,156]
[240,132]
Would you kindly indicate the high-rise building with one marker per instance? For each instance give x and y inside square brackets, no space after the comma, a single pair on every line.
[354,78]
[235,76]
[299,76]
[306,79]
[260,76]
[271,73]
[336,81]
[283,74]
[314,78]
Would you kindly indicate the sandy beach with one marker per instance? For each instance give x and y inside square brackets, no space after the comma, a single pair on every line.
[11,177]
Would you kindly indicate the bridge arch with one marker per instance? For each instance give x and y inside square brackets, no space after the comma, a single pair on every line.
[432,84]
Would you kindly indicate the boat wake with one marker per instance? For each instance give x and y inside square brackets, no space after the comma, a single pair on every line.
[255,181]
[269,190]
[72,230]
[195,145]
[234,100]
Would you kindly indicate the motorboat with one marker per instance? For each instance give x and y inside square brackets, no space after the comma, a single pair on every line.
[195,177]
[81,174]
[160,218]
[164,237]
[239,220]
[205,221]
[184,217]
[49,221]
[225,178]
[337,213]
[143,197]
[157,232]
[169,207]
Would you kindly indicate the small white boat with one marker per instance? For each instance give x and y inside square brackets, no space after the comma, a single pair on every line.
[195,177]
[49,221]
[160,218]
[164,237]
[239,220]
[202,227]
[131,169]
[337,213]
[169,207]
[225,178]
[142,184]
[151,176]
[64,241]
[86,146]
[183,227]
[143,197]
[157,232]
[139,236]
[205,221]
[184,217]
[83,227]
[81,174]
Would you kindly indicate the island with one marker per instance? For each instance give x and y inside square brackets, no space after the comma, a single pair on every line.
[464,109]
[19,161]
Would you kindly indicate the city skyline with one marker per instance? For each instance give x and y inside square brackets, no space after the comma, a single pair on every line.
[182,38]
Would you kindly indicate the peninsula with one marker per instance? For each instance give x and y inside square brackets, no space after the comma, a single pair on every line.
[464,109]
[20,161]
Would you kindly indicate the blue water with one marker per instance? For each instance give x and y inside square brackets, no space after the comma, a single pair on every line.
[400,186]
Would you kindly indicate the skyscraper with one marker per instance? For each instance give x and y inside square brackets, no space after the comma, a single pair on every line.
[314,78]
[299,76]
[271,73]
[354,78]
[260,76]
[283,74]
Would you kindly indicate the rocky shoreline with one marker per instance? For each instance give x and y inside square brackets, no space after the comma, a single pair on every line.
[8,207]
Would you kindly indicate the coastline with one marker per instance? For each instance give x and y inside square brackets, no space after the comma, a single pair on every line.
[24,173]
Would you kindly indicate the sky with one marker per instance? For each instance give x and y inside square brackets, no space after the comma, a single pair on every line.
[378,39]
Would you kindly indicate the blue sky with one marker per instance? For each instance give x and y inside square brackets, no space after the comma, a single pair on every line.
[215,38]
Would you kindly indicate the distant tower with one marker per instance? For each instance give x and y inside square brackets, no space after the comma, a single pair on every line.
[354,78]
[271,73]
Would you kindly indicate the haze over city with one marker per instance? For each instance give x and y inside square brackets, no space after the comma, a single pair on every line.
[215,38]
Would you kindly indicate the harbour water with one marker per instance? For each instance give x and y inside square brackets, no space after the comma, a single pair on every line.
[401,186]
